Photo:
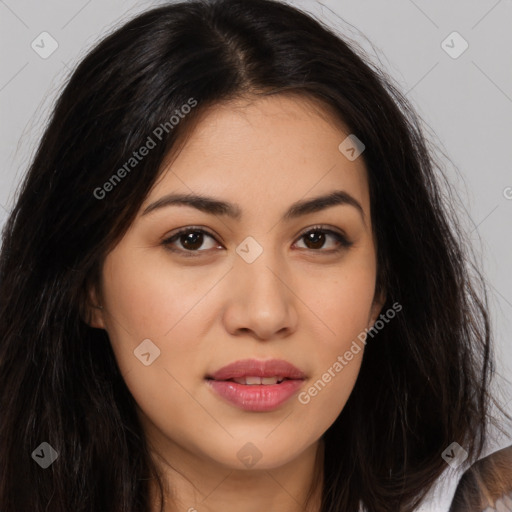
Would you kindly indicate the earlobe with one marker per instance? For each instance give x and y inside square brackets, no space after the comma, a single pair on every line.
[93,314]
[96,317]
[378,303]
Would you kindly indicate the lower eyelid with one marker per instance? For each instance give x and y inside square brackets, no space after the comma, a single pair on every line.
[342,240]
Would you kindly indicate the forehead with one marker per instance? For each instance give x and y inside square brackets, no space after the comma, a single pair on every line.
[263,151]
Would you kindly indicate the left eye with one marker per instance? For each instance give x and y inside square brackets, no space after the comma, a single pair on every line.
[191,239]
[318,235]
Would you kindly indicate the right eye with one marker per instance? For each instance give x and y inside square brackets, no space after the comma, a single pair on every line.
[191,239]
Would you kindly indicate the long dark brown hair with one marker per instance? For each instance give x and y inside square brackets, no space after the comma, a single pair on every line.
[424,379]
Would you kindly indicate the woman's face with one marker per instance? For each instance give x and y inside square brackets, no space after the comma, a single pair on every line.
[252,281]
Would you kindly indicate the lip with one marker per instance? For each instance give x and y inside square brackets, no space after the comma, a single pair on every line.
[257,397]
[253,367]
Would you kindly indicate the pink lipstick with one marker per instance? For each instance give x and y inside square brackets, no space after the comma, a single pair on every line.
[255,385]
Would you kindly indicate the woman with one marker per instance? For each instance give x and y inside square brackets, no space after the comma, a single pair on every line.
[227,211]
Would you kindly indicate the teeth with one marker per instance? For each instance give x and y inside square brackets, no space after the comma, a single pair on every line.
[251,381]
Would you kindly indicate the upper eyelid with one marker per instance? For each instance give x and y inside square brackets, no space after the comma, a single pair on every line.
[187,229]
[317,227]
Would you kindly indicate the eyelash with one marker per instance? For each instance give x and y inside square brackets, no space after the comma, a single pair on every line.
[344,243]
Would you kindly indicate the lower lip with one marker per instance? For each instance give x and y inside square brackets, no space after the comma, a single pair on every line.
[257,397]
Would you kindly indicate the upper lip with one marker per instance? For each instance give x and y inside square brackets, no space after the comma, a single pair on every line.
[255,368]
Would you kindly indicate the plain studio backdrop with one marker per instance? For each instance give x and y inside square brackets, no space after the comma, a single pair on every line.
[453,61]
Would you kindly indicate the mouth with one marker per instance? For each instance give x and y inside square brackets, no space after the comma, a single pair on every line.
[256,386]
[253,368]
[255,381]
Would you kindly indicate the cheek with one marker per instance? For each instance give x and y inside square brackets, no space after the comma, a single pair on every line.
[344,301]
[147,297]
[344,304]
[145,301]
[327,393]
[337,353]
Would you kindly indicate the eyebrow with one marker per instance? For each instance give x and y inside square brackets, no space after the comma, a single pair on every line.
[214,206]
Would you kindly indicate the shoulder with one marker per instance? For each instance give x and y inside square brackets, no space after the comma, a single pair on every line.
[485,484]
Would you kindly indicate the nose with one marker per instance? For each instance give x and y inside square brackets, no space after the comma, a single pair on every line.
[261,301]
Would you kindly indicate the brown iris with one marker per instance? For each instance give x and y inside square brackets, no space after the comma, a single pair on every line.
[316,238]
[192,240]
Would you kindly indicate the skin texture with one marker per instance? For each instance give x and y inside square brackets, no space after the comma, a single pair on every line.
[297,301]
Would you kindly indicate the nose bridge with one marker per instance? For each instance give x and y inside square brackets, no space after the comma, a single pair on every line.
[260,299]
[262,272]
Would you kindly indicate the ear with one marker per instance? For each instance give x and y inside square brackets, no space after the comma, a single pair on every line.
[378,303]
[92,311]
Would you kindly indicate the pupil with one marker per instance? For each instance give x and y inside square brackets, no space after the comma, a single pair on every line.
[192,240]
[317,239]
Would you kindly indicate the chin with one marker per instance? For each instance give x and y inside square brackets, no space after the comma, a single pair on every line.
[259,451]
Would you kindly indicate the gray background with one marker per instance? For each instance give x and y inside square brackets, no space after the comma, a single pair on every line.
[465,102]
